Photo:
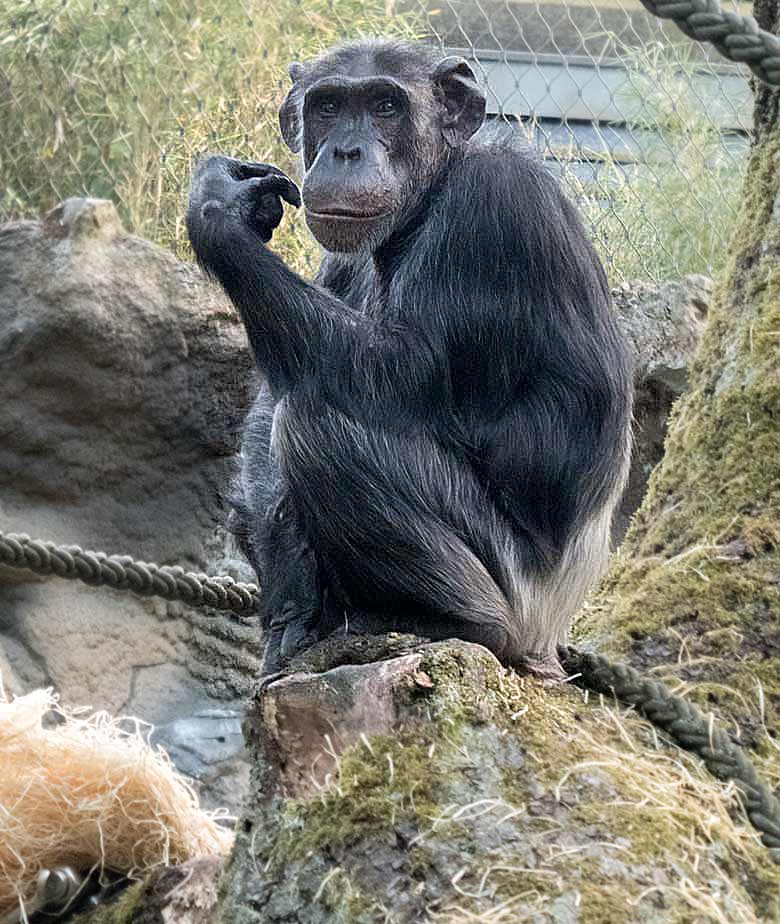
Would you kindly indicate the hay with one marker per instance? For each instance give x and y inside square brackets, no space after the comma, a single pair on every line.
[89,791]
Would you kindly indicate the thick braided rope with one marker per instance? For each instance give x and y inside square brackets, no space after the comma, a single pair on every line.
[124,573]
[736,37]
[687,727]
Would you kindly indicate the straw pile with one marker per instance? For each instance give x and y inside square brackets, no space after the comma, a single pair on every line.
[89,791]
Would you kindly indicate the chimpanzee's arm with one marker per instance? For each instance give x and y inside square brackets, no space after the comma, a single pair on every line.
[296,329]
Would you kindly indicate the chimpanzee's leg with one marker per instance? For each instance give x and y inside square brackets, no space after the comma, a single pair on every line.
[266,525]
[291,599]
[405,529]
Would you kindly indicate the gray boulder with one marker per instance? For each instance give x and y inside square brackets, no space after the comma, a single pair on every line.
[663,323]
[125,378]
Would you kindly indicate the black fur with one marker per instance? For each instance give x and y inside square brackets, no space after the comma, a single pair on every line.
[450,401]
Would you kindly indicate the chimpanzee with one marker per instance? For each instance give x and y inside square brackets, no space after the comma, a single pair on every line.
[445,426]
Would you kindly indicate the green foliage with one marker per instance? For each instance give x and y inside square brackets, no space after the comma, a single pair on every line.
[113,99]
[672,210]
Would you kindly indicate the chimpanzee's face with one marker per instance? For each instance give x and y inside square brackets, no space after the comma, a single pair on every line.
[359,150]
[374,121]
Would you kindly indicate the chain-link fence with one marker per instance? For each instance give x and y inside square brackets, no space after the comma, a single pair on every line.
[112,99]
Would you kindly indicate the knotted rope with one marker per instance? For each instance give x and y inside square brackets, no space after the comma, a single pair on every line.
[738,38]
[688,727]
[121,572]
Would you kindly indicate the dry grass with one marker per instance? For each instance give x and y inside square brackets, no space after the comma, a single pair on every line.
[89,791]
[115,100]
[649,777]
[666,814]
[671,211]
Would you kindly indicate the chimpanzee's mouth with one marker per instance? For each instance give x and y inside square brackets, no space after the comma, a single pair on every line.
[345,215]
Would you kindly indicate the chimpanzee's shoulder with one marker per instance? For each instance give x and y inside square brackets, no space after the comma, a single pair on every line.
[498,165]
[499,153]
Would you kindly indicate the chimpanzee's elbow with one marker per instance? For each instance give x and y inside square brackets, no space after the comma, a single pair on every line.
[203,221]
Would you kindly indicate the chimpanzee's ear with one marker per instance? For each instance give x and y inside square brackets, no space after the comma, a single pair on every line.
[290,110]
[464,102]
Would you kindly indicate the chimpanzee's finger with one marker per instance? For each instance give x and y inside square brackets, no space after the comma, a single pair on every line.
[266,679]
[269,212]
[297,635]
[249,169]
[278,185]
[273,661]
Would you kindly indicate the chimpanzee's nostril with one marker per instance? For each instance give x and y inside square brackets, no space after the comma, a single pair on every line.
[353,153]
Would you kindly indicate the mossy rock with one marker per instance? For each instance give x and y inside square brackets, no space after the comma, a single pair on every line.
[491,794]
[694,594]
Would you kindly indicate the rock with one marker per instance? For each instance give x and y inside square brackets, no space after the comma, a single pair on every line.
[663,324]
[482,797]
[185,894]
[304,710]
[204,742]
[125,379]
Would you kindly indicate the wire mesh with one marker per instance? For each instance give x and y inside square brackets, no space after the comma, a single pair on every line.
[647,130]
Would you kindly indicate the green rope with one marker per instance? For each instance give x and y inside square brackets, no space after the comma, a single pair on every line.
[681,720]
[688,727]
[121,572]
[736,37]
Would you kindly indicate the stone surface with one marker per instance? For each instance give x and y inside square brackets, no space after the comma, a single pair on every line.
[663,324]
[311,718]
[125,377]
[434,785]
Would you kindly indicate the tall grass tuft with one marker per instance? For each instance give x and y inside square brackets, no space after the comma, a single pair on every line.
[670,211]
[113,99]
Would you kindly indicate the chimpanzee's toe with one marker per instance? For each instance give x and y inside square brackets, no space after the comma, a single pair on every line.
[545,666]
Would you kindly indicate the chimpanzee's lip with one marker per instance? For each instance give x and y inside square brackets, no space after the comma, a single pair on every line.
[345,215]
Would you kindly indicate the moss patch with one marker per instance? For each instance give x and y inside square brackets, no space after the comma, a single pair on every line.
[386,783]
[697,583]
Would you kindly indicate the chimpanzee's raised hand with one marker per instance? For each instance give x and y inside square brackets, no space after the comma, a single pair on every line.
[224,188]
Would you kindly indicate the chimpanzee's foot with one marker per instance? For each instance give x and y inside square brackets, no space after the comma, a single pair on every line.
[289,632]
[545,666]
[542,664]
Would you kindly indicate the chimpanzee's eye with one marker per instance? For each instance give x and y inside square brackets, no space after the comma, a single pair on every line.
[327,108]
[386,107]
